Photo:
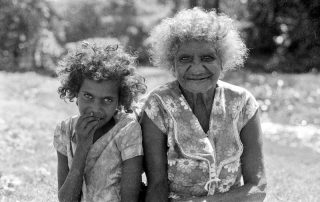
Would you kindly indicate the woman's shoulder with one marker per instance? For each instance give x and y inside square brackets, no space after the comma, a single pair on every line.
[233,90]
[164,88]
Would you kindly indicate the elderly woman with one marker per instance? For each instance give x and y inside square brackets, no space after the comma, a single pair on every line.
[201,136]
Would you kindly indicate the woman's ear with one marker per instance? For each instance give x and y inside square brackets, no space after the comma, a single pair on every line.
[173,69]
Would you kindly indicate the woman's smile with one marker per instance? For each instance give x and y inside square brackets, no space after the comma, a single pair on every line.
[197,66]
[198,77]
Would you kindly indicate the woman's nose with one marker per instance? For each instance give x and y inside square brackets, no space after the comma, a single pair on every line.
[196,61]
[197,66]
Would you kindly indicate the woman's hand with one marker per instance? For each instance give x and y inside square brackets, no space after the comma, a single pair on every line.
[85,128]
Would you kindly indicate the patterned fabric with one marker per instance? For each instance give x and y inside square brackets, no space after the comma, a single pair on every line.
[103,165]
[200,163]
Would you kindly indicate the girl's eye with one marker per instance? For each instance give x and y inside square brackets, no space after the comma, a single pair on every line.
[185,59]
[108,100]
[207,58]
[87,96]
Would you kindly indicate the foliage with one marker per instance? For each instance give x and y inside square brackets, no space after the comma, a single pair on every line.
[22,28]
[282,35]
[288,31]
[128,21]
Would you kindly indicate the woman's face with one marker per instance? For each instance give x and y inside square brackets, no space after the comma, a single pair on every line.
[197,66]
[100,98]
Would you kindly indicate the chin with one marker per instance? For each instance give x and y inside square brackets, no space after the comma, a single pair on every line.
[103,122]
[199,87]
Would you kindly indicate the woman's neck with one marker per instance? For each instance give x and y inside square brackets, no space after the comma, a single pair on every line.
[206,96]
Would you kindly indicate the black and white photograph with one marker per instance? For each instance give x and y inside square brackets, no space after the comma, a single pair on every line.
[159,100]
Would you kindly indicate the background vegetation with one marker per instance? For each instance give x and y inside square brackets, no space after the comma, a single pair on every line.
[282,35]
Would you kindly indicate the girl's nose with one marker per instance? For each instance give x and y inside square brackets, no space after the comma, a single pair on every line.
[97,108]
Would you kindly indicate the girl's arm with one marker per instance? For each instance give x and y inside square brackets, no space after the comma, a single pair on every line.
[131,179]
[254,188]
[70,181]
[155,156]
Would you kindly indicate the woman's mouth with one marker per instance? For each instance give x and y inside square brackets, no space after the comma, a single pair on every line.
[198,77]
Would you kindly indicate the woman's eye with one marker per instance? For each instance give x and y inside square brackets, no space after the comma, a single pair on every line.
[185,59]
[207,58]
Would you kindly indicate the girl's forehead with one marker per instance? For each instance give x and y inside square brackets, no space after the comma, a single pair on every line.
[100,88]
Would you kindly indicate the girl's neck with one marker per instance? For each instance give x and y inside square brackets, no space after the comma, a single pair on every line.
[103,130]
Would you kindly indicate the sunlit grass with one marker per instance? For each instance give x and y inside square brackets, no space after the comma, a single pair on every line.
[30,108]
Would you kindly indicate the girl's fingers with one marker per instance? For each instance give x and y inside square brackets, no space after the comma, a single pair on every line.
[93,130]
[90,126]
[81,118]
[85,120]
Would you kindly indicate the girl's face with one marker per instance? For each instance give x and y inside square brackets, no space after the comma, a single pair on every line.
[197,66]
[100,98]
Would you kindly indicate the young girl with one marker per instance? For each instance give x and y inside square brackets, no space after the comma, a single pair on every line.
[100,150]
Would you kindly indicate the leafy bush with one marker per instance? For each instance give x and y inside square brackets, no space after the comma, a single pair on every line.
[24,33]
[287,31]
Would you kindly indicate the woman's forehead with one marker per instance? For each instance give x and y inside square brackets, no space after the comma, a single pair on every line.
[196,46]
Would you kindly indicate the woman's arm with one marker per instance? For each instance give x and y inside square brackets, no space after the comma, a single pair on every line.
[254,188]
[131,179]
[155,157]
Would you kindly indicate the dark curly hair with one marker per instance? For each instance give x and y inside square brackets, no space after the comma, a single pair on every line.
[100,62]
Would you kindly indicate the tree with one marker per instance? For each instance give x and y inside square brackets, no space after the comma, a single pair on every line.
[127,20]
[21,25]
[206,4]
[287,31]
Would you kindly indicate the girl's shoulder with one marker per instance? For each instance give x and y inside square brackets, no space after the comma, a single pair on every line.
[124,119]
[68,125]
[64,133]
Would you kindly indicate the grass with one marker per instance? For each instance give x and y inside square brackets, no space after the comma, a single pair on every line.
[30,109]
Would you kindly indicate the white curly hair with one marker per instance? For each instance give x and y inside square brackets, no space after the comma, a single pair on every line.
[201,25]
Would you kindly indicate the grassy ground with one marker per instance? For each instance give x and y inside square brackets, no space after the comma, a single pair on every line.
[30,108]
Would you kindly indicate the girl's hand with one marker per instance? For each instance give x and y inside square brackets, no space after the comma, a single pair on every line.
[85,128]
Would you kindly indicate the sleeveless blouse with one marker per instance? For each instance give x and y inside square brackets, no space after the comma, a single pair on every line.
[200,163]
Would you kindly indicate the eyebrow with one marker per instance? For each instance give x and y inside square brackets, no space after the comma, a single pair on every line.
[108,96]
[184,55]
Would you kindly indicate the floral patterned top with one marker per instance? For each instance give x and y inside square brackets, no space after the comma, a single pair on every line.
[103,165]
[200,163]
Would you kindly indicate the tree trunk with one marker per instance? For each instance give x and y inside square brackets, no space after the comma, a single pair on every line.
[193,3]
[176,6]
[211,4]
